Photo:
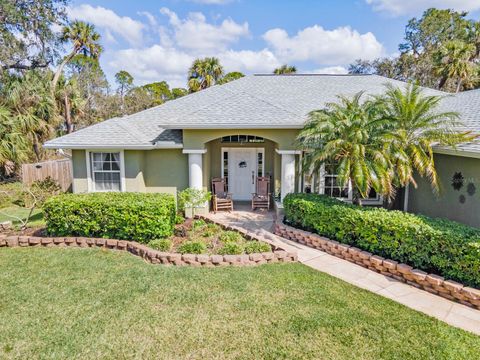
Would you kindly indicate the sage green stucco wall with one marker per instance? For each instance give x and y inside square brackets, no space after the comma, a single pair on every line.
[448,204]
[195,139]
[134,170]
[165,170]
[80,184]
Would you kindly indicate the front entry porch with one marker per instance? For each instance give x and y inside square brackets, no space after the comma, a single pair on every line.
[241,160]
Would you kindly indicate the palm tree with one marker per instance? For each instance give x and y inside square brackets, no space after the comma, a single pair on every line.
[455,62]
[13,145]
[285,69]
[70,101]
[348,134]
[204,73]
[414,125]
[84,38]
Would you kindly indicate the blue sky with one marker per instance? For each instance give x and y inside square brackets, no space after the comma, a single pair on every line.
[157,40]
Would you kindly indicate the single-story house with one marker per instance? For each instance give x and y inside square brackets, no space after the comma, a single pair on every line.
[246,129]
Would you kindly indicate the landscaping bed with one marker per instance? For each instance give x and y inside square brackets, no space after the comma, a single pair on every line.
[438,246]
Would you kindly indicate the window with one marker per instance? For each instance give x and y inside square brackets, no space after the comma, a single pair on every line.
[260,164]
[242,139]
[106,174]
[332,186]
[225,168]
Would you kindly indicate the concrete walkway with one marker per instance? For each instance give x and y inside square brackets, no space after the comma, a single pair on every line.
[261,223]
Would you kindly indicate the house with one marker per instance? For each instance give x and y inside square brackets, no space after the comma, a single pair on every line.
[247,128]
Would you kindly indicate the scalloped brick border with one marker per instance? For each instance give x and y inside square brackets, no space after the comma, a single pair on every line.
[429,282]
[153,256]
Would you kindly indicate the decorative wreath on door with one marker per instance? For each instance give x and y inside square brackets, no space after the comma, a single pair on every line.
[242,164]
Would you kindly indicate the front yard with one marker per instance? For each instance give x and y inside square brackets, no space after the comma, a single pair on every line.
[91,303]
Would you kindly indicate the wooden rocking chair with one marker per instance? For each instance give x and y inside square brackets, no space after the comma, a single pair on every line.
[221,200]
[261,199]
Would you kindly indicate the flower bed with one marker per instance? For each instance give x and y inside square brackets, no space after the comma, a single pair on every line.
[201,237]
[212,256]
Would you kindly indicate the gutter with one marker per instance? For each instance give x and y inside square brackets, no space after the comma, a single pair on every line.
[113,147]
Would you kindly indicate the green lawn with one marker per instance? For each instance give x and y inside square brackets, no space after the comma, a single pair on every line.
[93,303]
[35,220]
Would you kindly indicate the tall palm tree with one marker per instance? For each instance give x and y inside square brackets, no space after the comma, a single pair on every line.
[204,73]
[455,62]
[348,134]
[84,38]
[414,125]
[285,69]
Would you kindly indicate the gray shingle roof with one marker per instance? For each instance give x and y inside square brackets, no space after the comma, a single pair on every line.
[257,101]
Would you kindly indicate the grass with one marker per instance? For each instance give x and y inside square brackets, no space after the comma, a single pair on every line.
[93,303]
[21,212]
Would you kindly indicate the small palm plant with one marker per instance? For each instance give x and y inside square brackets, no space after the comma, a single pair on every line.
[349,134]
[414,126]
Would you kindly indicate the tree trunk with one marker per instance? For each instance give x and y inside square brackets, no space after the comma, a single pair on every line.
[68,115]
[443,81]
[356,198]
[459,85]
[59,71]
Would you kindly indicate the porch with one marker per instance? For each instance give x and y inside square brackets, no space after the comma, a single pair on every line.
[241,159]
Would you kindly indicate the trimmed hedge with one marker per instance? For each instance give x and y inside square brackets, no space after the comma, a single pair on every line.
[128,216]
[438,246]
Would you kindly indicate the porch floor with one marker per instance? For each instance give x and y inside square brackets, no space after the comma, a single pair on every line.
[262,222]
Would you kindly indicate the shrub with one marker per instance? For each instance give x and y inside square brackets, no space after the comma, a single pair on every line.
[198,223]
[230,237]
[444,247]
[257,247]
[161,244]
[179,219]
[128,216]
[40,191]
[231,248]
[192,247]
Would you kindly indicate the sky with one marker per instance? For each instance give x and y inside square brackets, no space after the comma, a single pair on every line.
[158,40]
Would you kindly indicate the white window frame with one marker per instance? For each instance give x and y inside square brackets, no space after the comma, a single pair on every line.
[90,182]
[258,150]
[348,199]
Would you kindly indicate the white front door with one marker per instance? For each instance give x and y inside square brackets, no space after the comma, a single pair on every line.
[242,168]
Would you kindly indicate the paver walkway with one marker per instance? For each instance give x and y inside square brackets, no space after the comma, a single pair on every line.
[448,311]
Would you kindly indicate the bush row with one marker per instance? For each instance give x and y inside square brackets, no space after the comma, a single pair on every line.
[438,246]
[127,216]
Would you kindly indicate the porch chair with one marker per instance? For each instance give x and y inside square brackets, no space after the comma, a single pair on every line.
[221,199]
[261,199]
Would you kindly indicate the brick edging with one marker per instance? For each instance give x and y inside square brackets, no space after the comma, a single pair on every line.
[150,255]
[429,282]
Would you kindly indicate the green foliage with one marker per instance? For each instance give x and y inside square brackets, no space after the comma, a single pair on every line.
[230,237]
[11,193]
[193,198]
[444,247]
[379,143]
[192,247]
[198,223]
[179,219]
[129,216]
[178,92]
[231,248]
[231,76]
[257,247]
[204,73]
[161,244]
[41,191]
[285,69]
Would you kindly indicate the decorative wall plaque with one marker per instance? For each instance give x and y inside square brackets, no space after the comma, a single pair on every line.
[457,181]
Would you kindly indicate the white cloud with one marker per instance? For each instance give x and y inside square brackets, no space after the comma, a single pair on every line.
[194,33]
[153,64]
[339,46]
[408,7]
[336,70]
[249,61]
[126,27]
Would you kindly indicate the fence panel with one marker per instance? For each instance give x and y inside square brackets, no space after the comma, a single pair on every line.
[59,170]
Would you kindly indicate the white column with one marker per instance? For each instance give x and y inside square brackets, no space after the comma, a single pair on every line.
[195,168]
[288,172]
